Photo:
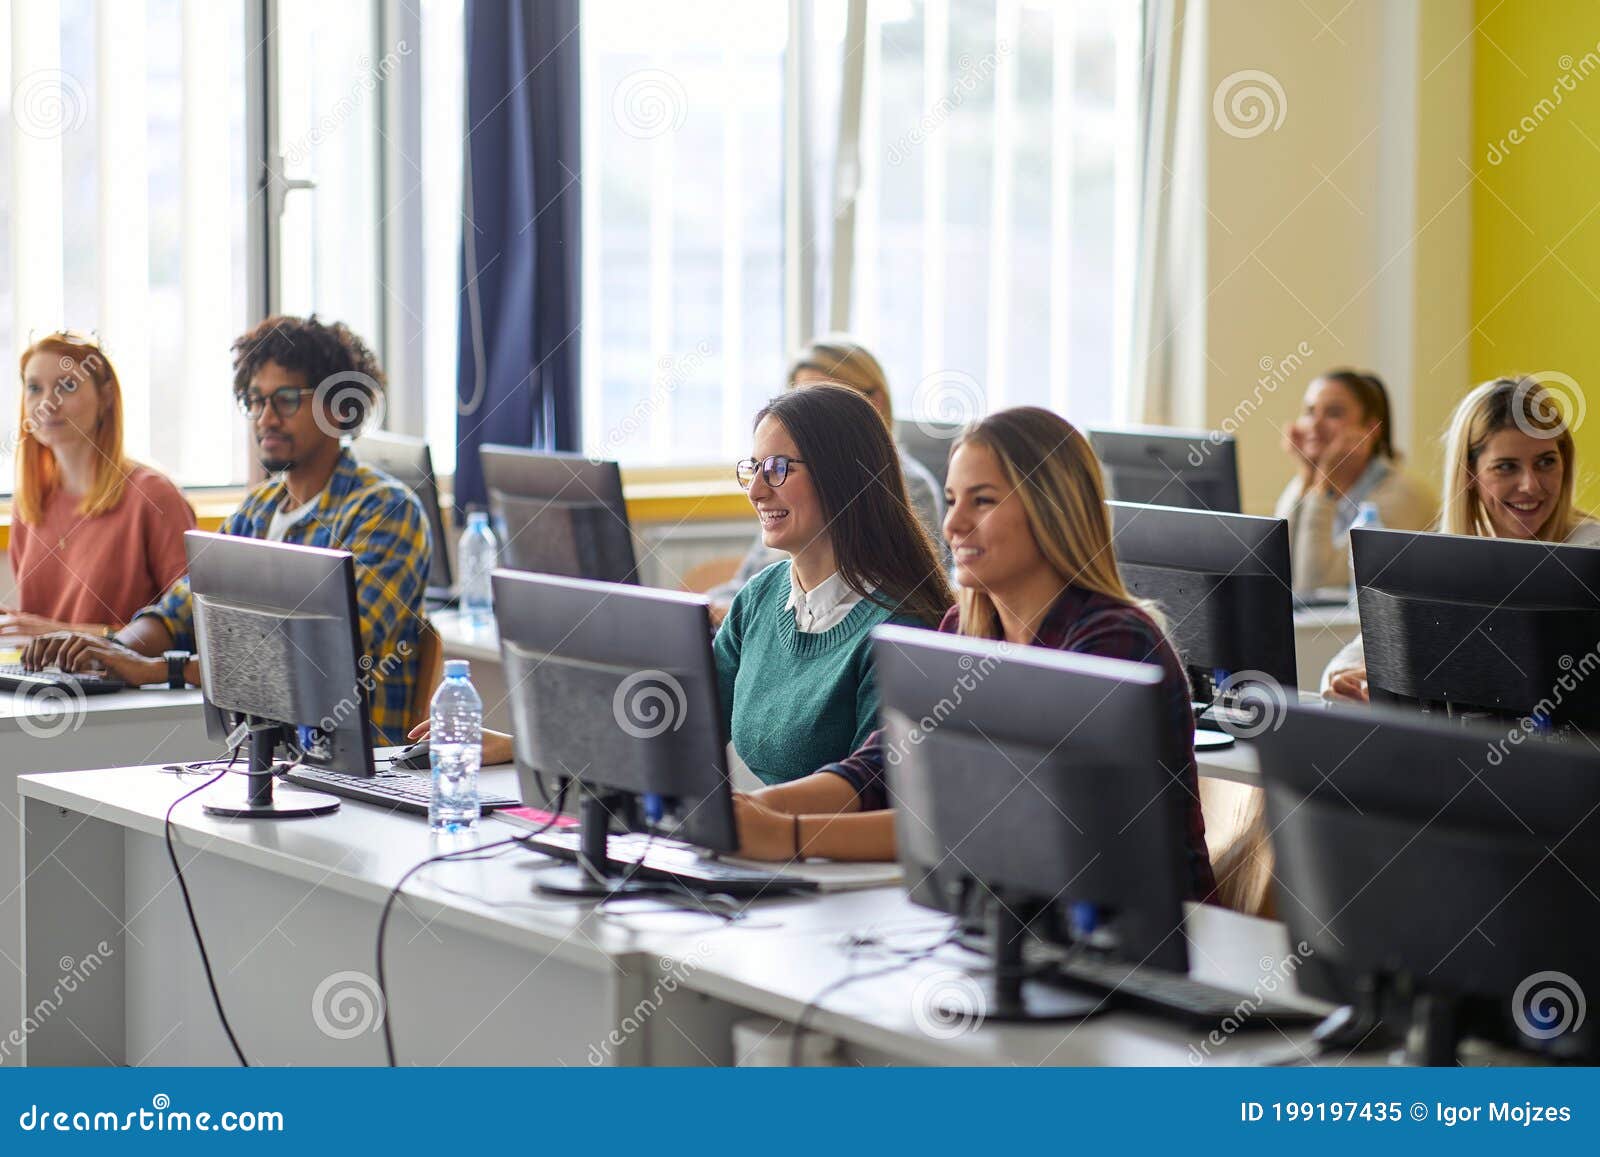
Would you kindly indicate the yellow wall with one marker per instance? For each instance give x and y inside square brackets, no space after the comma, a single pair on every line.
[1536,204]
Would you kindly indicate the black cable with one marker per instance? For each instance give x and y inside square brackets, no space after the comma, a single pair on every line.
[394,894]
[188,904]
[908,957]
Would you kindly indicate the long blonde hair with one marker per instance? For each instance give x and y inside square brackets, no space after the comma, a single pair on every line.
[80,358]
[1522,403]
[844,360]
[1050,467]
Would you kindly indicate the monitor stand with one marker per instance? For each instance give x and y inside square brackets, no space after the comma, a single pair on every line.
[1011,996]
[592,878]
[258,799]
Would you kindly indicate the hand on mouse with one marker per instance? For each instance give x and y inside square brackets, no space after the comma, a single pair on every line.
[496,744]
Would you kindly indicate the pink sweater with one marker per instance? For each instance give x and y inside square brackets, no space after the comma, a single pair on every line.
[102,569]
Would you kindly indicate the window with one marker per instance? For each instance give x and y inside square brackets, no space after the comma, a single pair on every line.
[124,175]
[993,233]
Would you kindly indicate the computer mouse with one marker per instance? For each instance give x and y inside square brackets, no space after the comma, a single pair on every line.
[413,758]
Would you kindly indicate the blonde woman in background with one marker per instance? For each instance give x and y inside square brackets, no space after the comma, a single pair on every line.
[841,361]
[1344,449]
[1509,472]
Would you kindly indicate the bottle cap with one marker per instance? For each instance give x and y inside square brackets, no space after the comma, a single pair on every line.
[456,668]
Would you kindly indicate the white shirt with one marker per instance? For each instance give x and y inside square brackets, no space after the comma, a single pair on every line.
[821,609]
[283,519]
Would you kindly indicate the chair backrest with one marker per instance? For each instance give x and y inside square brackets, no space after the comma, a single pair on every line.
[430,669]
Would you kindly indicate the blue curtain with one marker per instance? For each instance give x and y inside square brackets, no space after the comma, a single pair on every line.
[517,379]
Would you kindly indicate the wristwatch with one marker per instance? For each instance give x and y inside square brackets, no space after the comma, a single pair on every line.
[176,662]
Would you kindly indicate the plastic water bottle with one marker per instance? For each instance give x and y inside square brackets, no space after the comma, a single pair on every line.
[479,553]
[455,750]
[1366,517]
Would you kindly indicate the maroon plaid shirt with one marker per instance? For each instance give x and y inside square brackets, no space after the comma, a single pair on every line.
[1090,624]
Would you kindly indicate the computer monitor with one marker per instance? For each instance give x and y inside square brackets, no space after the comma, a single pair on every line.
[1443,876]
[1192,469]
[929,444]
[1223,582]
[1032,783]
[614,690]
[559,514]
[409,462]
[278,632]
[1480,626]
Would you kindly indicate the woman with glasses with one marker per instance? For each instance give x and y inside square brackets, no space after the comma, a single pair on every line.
[840,361]
[1036,566]
[794,654]
[94,535]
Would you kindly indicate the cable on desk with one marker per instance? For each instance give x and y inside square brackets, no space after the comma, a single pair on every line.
[188,904]
[907,957]
[464,854]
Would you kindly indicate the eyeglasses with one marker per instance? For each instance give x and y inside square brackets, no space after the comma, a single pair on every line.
[775,469]
[285,402]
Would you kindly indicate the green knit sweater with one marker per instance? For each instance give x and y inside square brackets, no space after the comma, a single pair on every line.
[793,701]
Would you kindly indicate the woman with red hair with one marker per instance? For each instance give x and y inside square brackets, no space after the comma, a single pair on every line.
[95,536]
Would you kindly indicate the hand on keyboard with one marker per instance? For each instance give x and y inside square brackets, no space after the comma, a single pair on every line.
[76,653]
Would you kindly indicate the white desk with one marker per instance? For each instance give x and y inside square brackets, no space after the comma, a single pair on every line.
[142,726]
[1320,633]
[480,647]
[480,971]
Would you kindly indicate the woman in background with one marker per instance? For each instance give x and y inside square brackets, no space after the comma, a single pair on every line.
[1343,447]
[95,536]
[1036,566]
[839,360]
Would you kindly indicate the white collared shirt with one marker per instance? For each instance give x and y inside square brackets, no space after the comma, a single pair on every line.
[821,609]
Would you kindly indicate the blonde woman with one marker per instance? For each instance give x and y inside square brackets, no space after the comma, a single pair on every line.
[95,536]
[1510,468]
[1509,472]
[840,360]
[1031,536]
[1344,451]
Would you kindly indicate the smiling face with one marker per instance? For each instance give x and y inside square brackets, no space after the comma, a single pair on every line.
[61,399]
[791,514]
[1331,414]
[1518,480]
[986,524]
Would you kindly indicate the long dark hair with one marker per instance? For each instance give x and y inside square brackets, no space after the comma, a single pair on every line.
[1373,398]
[880,547]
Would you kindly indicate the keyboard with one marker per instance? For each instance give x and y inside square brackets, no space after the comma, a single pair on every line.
[396,790]
[1181,998]
[672,860]
[14,678]
[1217,715]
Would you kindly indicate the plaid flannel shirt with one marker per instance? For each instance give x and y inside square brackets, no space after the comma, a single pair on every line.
[380,522]
[1090,624]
